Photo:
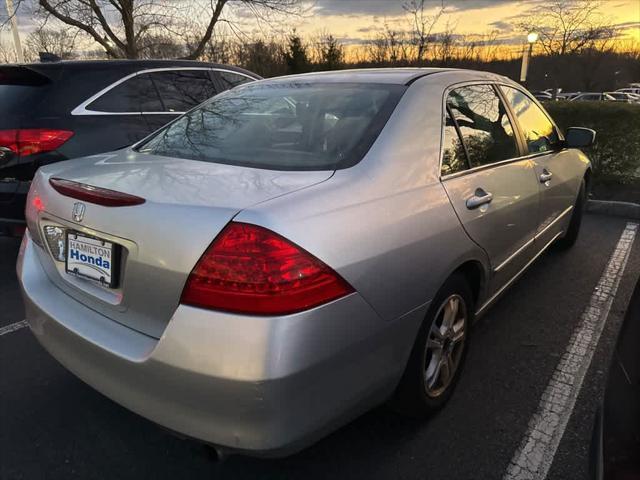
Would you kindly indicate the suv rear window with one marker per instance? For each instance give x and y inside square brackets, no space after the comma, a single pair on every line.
[136,94]
[181,90]
[282,126]
[19,87]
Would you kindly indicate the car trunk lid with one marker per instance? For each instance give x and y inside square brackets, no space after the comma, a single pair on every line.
[186,204]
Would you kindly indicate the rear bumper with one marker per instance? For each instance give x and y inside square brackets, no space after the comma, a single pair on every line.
[264,386]
[12,210]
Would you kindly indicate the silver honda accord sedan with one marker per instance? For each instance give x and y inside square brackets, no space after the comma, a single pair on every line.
[298,250]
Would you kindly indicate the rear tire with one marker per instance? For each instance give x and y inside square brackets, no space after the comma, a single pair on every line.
[573,229]
[439,351]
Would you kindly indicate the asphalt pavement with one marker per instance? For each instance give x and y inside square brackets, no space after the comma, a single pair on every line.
[52,426]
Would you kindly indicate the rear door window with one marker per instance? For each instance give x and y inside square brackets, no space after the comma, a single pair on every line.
[181,90]
[136,94]
[540,134]
[485,127]
[230,79]
[454,157]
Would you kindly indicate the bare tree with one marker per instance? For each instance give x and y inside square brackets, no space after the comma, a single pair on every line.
[7,53]
[422,24]
[389,45]
[446,44]
[568,26]
[123,27]
[60,43]
[327,51]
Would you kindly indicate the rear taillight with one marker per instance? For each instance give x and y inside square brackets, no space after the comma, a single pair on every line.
[29,141]
[97,195]
[252,270]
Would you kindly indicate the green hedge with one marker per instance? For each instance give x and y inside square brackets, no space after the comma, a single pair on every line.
[616,153]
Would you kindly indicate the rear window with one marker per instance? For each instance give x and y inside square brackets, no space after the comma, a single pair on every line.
[281,126]
[135,95]
[14,99]
[181,90]
[19,87]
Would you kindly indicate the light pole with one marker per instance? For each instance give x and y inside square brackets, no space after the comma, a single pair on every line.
[526,56]
[14,29]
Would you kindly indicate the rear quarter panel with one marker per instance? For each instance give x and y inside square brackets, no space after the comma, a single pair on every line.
[386,225]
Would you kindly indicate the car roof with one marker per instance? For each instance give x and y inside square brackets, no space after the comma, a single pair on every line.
[126,65]
[398,76]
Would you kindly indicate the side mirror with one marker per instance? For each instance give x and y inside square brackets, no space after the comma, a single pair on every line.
[578,137]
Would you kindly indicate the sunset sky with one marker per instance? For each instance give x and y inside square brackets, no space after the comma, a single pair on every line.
[355,21]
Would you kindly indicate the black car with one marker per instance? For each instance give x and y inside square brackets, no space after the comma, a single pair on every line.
[51,112]
[615,448]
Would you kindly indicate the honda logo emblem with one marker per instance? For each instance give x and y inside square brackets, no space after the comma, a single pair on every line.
[78,212]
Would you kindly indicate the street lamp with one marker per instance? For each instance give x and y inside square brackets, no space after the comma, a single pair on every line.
[526,55]
[14,30]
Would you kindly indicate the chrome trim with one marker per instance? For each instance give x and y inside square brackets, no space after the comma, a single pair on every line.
[495,296]
[536,237]
[82,108]
[555,220]
[513,255]
[481,167]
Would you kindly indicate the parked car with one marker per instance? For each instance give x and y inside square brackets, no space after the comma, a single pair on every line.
[632,89]
[567,95]
[543,96]
[592,97]
[55,111]
[624,97]
[298,250]
[616,433]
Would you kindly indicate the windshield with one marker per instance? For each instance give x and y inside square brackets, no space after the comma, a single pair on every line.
[282,126]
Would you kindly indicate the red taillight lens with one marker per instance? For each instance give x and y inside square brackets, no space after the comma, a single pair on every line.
[249,269]
[97,195]
[29,141]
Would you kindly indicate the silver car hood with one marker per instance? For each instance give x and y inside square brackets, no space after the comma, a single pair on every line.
[183,182]
[187,204]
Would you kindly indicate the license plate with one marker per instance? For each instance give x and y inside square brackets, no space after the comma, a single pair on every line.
[91,258]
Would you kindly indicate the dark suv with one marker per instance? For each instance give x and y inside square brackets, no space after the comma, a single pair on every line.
[51,112]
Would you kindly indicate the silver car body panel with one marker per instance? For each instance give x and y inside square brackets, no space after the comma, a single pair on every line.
[389,225]
[190,203]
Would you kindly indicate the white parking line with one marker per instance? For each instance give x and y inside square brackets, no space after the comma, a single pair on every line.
[546,427]
[13,327]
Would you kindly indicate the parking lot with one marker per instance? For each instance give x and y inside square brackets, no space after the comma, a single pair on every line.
[54,426]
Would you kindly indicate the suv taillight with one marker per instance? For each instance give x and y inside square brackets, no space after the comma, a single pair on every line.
[29,141]
[249,269]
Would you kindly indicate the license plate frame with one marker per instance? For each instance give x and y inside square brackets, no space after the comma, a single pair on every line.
[115,258]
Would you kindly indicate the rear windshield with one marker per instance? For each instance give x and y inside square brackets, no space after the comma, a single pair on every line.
[281,126]
[14,99]
[19,88]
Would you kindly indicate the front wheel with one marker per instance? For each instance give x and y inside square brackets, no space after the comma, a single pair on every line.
[439,351]
[573,230]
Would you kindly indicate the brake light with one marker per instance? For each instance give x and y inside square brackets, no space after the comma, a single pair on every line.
[29,141]
[97,195]
[249,269]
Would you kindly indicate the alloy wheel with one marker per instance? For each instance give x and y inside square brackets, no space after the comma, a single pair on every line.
[445,345]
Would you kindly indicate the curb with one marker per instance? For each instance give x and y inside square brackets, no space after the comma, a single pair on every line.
[617,209]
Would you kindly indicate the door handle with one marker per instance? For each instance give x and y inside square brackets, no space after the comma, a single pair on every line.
[479,198]
[545,176]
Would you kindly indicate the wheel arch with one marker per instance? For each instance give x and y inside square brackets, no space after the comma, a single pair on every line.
[475,273]
[587,180]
